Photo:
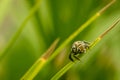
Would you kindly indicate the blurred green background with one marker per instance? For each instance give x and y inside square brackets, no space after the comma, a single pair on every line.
[59,18]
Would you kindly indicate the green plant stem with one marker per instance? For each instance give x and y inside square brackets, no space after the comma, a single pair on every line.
[70,38]
[63,70]
[17,34]
[33,71]
[104,33]
[80,29]
[70,64]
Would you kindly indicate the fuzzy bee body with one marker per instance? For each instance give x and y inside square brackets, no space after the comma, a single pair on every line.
[78,47]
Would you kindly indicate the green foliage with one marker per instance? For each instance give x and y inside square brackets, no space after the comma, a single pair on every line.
[53,19]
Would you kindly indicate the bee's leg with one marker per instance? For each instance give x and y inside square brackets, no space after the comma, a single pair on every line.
[70,57]
[76,57]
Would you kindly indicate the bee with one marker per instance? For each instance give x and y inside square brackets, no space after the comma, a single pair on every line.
[78,47]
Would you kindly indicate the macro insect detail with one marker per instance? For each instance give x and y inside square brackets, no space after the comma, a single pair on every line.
[78,47]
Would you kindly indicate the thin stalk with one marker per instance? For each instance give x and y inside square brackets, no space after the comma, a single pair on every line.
[70,64]
[33,71]
[19,31]
[80,29]
[62,71]
[70,38]
[104,33]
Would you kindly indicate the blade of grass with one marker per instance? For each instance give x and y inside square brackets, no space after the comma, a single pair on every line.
[70,64]
[33,71]
[80,29]
[62,71]
[17,34]
[104,33]
[70,38]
